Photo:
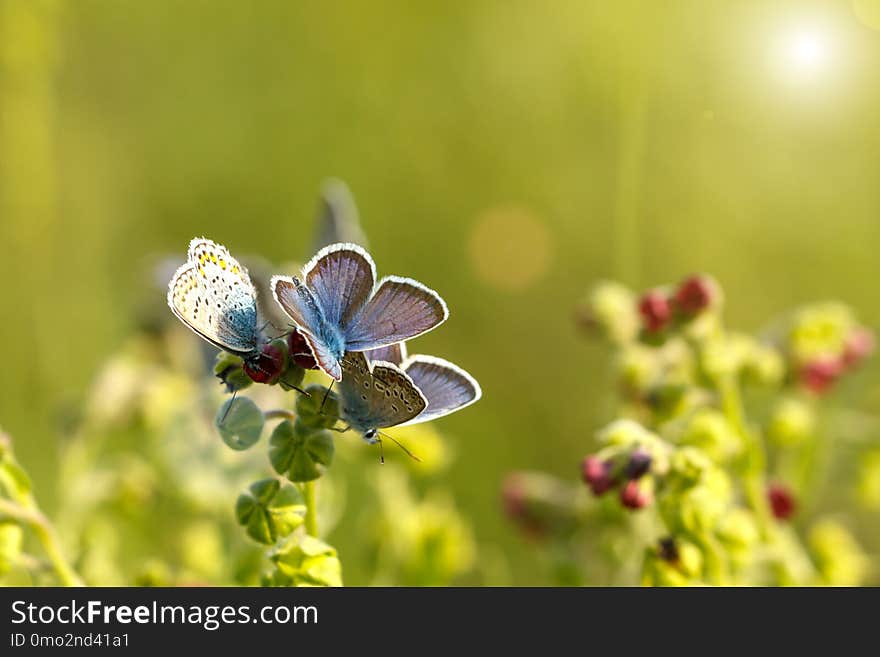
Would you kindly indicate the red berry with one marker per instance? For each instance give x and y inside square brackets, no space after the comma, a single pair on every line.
[859,345]
[694,295]
[818,375]
[781,501]
[267,366]
[300,353]
[632,496]
[597,474]
[655,310]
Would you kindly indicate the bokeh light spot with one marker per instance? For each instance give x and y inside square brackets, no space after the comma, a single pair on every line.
[510,248]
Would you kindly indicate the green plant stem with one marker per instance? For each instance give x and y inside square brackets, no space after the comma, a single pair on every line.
[279,414]
[755,458]
[41,526]
[311,520]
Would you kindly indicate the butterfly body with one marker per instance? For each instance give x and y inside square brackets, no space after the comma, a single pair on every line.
[339,307]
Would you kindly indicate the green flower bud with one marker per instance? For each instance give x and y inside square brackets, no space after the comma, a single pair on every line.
[839,558]
[317,409]
[308,562]
[764,366]
[610,307]
[657,572]
[11,538]
[690,559]
[725,356]
[792,422]
[270,511]
[299,452]
[637,368]
[820,331]
[710,431]
[229,369]
[738,531]
[240,423]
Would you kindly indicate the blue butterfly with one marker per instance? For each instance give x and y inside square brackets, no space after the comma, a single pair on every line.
[339,308]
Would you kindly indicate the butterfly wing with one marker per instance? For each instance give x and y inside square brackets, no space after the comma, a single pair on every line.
[378,397]
[447,387]
[341,278]
[323,356]
[394,353]
[213,295]
[400,309]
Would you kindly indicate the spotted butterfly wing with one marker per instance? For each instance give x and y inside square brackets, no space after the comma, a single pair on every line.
[377,397]
[212,294]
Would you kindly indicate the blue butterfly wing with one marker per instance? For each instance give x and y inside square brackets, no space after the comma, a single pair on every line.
[400,309]
[341,278]
[447,387]
[394,353]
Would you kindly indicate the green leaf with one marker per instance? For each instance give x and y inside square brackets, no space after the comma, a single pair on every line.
[240,423]
[13,477]
[319,409]
[300,453]
[270,511]
[308,562]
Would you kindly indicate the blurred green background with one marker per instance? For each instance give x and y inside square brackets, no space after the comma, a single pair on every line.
[506,153]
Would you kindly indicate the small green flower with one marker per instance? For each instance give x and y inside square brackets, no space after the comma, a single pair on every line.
[300,452]
[820,331]
[611,307]
[229,369]
[838,555]
[270,511]
[308,562]
[710,431]
[792,422]
[240,423]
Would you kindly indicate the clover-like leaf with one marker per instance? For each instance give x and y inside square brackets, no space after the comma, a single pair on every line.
[308,562]
[298,452]
[269,511]
[319,409]
[240,423]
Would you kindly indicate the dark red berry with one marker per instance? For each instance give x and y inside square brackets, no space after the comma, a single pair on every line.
[597,474]
[300,353]
[632,496]
[859,345]
[638,465]
[655,310]
[781,501]
[267,366]
[820,374]
[694,295]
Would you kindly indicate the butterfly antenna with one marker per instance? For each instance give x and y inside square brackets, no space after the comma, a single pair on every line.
[326,394]
[293,387]
[231,401]
[381,453]
[401,445]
